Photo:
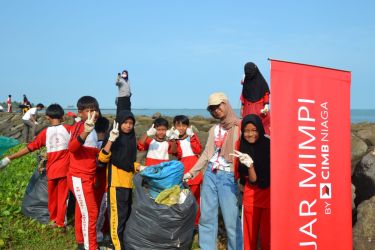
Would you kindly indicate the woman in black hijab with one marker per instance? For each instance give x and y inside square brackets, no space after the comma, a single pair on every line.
[254,171]
[255,95]
[120,153]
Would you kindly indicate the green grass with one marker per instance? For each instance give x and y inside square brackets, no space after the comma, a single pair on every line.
[20,232]
[16,230]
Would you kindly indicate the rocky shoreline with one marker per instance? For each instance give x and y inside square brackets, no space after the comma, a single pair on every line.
[362,165]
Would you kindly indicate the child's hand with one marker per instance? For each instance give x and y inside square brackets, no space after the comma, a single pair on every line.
[4,162]
[90,122]
[114,134]
[151,131]
[172,134]
[245,159]
[189,131]
[140,168]
[187,176]
[266,109]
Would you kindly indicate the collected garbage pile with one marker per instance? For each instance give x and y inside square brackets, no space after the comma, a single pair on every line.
[163,210]
[35,200]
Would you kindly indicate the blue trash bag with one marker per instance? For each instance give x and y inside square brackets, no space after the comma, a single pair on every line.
[163,176]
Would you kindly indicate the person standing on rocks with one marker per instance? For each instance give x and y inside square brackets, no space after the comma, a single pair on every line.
[255,95]
[9,104]
[29,121]
[219,187]
[124,93]
[26,105]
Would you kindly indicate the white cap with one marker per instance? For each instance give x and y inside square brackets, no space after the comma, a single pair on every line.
[216,98]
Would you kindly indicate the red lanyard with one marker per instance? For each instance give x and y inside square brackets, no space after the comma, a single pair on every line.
[220,140]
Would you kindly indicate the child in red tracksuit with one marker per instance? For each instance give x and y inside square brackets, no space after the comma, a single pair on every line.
[254,171]
[56,138]
[187,148]
[155,144]
[84,148]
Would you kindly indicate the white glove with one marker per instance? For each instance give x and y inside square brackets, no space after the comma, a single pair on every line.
[4,162]
[36,123]
[114,134]
[187,176]
[266,109]
[151,131]
[141,168]
[189,131]
[245,159]
[77,119]
[172,134]
[89,123]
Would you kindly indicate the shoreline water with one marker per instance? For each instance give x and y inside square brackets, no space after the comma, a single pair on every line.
[356,115]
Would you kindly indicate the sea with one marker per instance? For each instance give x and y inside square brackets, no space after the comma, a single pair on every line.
[356,115]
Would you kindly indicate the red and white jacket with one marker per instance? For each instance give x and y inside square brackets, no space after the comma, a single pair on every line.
[56,139]
[83,154]
[157,151]
[188,150]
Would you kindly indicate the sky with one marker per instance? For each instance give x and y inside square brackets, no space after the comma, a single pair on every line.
[177,52]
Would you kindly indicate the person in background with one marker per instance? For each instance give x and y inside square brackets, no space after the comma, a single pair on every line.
[255,95]
[71,118]
[26,105]
[219,187]
[9,104]
[120,152]
[55,138]
[84,148]
[254,171]
[29,121]
[155,143]
[187,149]
[124,92]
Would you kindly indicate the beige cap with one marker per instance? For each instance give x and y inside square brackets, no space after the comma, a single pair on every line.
[216,98]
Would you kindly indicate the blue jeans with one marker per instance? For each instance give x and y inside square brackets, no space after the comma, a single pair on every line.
[219,189]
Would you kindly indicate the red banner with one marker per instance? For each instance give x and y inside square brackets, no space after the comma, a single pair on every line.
[310,157]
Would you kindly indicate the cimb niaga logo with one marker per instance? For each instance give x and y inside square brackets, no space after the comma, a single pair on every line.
[325,191]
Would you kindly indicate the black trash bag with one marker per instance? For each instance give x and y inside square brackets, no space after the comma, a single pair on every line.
[154,226]
[35,200]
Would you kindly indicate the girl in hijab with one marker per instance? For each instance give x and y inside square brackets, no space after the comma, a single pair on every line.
[255,95]
[219,187]
[254,172]
[120,153]
[124,93]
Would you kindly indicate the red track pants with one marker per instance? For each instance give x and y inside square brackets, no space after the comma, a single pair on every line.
[86,212]
[256,220]
[57,200]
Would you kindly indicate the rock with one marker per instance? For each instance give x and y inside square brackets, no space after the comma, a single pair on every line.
[359,148]
[364,178]
[156,115]
[367,134]
[364,229]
